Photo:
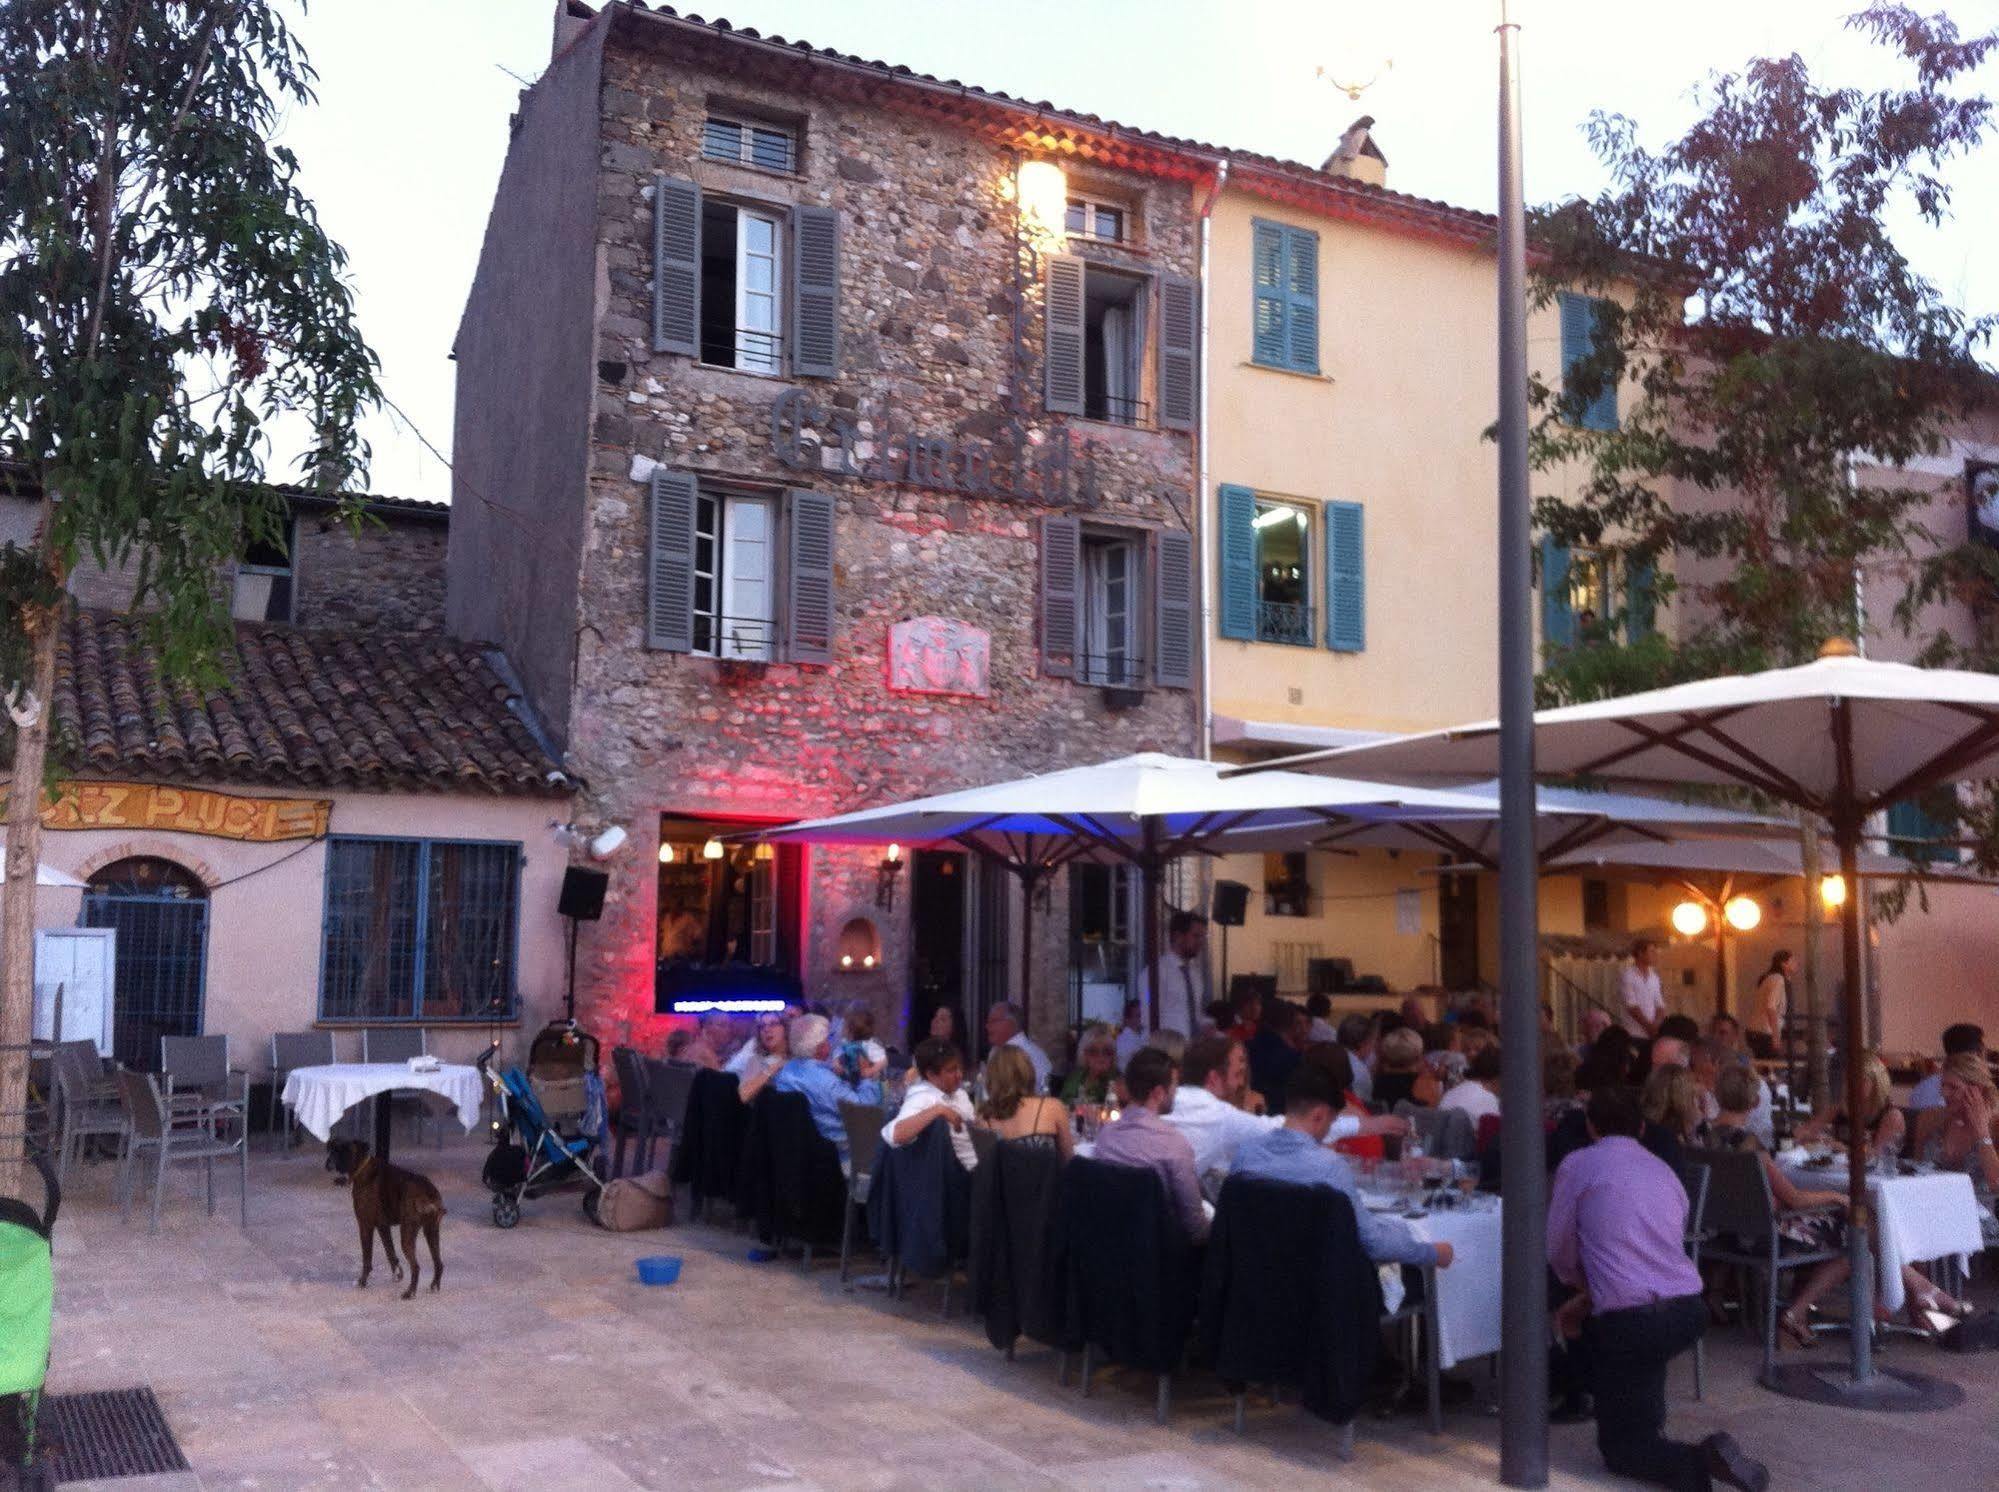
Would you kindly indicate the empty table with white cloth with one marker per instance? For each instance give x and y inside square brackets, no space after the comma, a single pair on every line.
[320,1095]
[1917,1218]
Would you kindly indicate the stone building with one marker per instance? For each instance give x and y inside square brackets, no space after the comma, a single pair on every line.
[824,436]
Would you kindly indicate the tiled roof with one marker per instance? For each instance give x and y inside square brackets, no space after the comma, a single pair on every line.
[326,709]
[1056,128]
[18,479]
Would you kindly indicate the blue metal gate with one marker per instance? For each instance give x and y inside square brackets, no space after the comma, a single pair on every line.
[161,914]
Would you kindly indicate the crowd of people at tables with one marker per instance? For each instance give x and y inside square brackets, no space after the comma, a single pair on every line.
[1277,1090]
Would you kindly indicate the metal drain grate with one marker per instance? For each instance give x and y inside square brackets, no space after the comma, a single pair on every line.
[119,1432]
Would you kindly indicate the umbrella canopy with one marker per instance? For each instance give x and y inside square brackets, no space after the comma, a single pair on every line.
[1775,858]
[45,875]
[1842,735]
[1567,820]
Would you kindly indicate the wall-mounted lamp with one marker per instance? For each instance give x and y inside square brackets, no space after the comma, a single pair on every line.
[886,875]
[1742,913]
[1690,919]
[665,853]
[765,852]
[712,850]
[1044,195]
[1832,891]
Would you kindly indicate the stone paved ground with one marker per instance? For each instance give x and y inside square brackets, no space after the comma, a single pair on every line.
[543,1364]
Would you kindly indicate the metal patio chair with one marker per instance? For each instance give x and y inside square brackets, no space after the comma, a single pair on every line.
[291,1050]
[87,1102]
[864,1123]
[398,1044]
[174,1136]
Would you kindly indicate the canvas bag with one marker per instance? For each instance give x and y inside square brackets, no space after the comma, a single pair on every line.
[632,1203]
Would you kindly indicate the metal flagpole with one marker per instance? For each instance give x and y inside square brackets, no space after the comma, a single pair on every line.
[1523,1426]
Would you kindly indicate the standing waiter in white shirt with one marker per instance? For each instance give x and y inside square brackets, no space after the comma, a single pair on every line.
[1644,1002]
[1184,992]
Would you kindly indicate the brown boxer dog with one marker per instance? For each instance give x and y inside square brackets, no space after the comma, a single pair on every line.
[388,1197]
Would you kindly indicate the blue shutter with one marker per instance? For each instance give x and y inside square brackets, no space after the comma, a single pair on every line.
[1301,332]
[1640,601]
[1346,578]
[1908,820]
[1237,547]
[1578,342]
[1268,337]
[1558,622]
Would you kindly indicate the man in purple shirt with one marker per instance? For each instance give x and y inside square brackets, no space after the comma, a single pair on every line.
[1617,1226]
[1141,1138]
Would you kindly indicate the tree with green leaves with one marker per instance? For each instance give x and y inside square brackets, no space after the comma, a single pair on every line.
[166,295]
[1774,355]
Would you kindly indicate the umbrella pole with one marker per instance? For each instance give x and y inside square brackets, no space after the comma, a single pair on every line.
[1860,1284]
[1149,876]
[1029,874]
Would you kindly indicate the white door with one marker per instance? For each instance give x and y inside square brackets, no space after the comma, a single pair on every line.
[757,334]
[749,569]
[78,962]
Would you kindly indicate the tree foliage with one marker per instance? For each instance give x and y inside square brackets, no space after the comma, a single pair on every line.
[1763,327]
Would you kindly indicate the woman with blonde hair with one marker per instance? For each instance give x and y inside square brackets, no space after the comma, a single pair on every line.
[1014,1111]
[1964,1141]
[1095,1077]
[1883,1122]
[1671,1099]
[1402,1073]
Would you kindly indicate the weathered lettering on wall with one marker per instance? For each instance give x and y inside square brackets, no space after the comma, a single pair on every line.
[1053,473]
[939,655]
[185,810]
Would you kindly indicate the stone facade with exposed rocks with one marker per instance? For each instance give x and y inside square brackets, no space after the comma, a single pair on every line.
[935,339]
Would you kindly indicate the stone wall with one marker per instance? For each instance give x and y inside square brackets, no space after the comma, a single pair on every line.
[927,320]
[387,575]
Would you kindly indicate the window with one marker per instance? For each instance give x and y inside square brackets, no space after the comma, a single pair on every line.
[1111,613]
[750,142]
[1916,824]
[1113,346]
[263,585]
[735,575]
[742,301]
[1579,322]
[737,906]
[1283,540]
[1285,265]
[1287,885]
[1580,595]
[419,930]
[1106,222]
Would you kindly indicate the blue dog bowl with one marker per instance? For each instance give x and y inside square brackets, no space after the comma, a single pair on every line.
[660,1269]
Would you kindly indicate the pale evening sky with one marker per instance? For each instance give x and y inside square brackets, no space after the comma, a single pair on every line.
[404,147]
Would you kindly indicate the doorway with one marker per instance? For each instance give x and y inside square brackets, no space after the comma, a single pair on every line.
[160,911]
[937,943]
[1457,931]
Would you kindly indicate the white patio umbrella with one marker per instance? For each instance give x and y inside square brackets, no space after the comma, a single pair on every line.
[1843,737]
[1141,810]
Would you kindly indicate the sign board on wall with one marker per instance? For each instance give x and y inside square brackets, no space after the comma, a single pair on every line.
[186,810]
[939,655]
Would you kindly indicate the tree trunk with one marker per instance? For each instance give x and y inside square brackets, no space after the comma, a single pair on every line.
[17,898]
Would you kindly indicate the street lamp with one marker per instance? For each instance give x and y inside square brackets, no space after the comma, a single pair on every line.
[1832,891]
[1742,913]
[1690,919]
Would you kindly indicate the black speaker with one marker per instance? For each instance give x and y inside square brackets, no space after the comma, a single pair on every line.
[583,893]
[1230,903]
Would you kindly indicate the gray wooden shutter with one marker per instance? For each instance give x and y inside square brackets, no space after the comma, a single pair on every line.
[670,563]
[676,266]
[808,581]
[1061,585]
[1173,618]
[1063,355]
[815,292]
[1179,344]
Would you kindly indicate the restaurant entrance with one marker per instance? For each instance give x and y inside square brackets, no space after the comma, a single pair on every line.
[1457,931]
[937,964]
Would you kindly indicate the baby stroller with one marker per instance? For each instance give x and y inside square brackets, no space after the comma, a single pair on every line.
[542,1143]
[27,1310]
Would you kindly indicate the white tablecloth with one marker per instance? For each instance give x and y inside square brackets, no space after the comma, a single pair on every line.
[1468,1293]
[1917,1218]
[320,1095]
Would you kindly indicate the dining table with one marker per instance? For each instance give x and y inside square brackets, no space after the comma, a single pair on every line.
[319,1095]
[1918,1217]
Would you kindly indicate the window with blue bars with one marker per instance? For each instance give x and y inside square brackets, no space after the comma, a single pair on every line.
[419,930]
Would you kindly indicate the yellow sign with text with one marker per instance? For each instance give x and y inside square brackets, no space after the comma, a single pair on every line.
[186,810]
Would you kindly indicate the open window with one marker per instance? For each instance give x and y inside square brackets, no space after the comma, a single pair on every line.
[741,140]
[735,574]
[1283,536]
[1113,346]
[263,584]
[1094,218]
[1112,607]
[742,287]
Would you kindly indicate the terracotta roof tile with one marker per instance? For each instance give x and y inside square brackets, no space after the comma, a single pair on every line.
[327,709]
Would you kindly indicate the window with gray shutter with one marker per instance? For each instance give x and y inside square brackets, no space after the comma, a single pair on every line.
[1061,566]
[1179,337]
[676,266]
[1173,622]
[815,298]
[1063,353]
[808,598]
[670,562]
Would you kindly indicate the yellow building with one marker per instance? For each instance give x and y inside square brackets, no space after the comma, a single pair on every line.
[1350,523]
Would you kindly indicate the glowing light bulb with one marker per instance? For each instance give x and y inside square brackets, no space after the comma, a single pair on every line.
[1832,890]
[665,853]
[1742,913]
[712,850]
[846,960]
[1689,919]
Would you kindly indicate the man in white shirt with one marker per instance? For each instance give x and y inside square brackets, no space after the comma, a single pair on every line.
[1644,1002]
[1184,991]
[938,1097]
[1359,1035]
[1003,1029]
[1132,1035]
[1478,1094]
[1320,1008]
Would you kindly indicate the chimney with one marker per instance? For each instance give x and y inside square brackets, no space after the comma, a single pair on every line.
[572,19]
[1357,156]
